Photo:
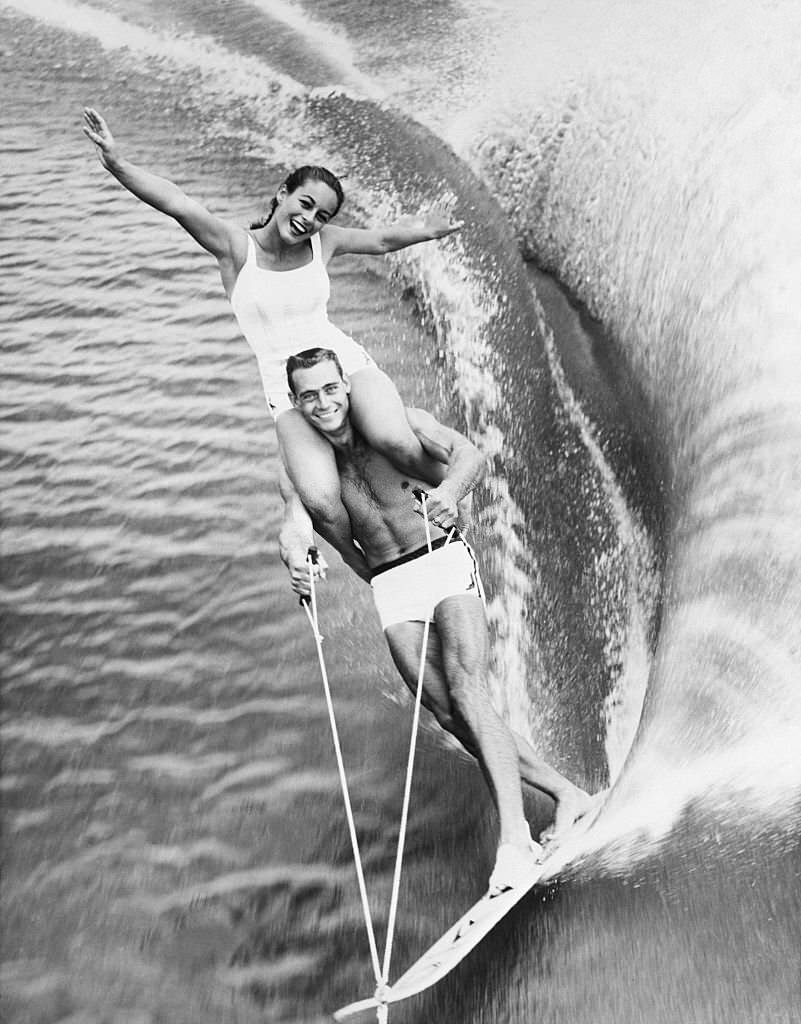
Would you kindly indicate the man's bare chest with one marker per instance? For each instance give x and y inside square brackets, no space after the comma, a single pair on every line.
[371,486]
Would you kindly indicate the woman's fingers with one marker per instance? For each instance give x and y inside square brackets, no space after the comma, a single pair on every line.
[95,127]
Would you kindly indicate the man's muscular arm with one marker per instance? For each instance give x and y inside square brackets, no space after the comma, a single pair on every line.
[295,537]
[465,466]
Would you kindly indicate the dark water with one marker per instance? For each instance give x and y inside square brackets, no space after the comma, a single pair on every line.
[173,844]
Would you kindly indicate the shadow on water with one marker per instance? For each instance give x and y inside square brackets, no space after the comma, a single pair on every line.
[611,399]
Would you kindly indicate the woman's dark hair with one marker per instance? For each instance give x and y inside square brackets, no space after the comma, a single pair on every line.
[298,177]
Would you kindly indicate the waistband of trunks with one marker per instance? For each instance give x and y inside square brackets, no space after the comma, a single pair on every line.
[440,542]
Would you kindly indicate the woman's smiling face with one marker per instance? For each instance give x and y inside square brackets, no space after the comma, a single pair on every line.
[305,211]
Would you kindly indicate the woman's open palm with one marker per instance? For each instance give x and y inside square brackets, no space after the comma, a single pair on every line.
[96,129]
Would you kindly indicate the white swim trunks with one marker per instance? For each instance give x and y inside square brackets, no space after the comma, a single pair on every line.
[409,588]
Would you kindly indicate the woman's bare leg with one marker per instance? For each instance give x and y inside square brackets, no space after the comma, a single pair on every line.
[312,469]
[379,414]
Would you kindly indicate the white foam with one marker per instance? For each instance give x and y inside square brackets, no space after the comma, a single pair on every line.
[224,73]
[331,44]
[651,162]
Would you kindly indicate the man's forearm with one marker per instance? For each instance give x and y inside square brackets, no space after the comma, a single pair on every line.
[296,535]
[450,503]
[464,464]
[465,470]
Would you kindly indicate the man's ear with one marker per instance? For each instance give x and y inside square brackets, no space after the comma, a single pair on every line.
[292,398]
[346,382]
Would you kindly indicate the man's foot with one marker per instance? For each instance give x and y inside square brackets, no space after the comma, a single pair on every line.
[515,866]
[570,809]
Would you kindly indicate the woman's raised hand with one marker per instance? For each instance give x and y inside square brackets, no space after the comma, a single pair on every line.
[96,129]
[438,224]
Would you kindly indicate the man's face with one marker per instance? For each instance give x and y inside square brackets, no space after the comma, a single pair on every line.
[321,395]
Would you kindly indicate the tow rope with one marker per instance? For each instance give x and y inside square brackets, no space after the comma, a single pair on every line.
[380,970]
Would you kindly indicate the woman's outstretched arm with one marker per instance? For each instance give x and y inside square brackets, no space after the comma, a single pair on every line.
[215,235]
[389,238]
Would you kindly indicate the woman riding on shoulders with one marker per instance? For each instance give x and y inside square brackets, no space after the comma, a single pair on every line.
[276,280]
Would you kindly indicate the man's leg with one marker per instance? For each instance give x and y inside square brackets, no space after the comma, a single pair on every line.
[572,802]
[455,690]
[464,641]
[405,640]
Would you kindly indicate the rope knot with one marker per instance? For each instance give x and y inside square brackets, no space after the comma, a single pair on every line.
[382,993]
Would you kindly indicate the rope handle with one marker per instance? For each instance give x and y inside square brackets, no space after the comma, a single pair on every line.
[422,497]
[313,556]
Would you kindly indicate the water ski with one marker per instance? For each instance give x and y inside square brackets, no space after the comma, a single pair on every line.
[452,948]
[479,920]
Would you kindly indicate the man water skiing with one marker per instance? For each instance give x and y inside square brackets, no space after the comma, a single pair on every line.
[409,583]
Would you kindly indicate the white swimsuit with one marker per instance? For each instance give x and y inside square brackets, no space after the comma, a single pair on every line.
[281,312]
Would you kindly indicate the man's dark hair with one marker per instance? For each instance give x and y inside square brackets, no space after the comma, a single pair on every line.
[306,359]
